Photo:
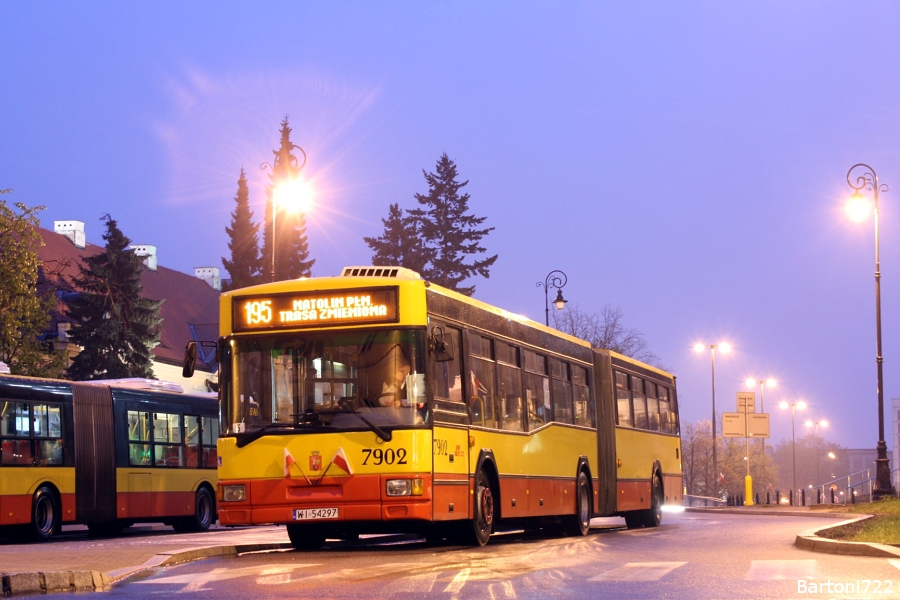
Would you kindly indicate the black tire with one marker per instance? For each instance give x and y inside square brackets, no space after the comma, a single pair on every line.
[306,538]
[653,516]
[580,523]
[484,511]
[45,514]
[204,513]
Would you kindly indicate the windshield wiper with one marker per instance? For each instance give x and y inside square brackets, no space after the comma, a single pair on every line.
[252,436]
[385,435]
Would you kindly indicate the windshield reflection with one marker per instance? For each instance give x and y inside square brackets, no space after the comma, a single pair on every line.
[320,381]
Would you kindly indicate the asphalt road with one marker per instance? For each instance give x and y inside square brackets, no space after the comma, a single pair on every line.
[692,555]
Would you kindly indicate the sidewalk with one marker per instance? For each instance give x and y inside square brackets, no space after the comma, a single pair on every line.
[81,563]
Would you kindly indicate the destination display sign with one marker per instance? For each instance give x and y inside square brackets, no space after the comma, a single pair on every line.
[324,308]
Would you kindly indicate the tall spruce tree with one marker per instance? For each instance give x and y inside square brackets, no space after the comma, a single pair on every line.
[115,325]
[292,252]
[245,266]
[401,244]
[24,306]
[450,235]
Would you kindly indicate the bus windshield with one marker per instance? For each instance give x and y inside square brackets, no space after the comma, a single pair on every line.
[334,381]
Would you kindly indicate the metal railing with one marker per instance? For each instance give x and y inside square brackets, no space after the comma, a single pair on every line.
[844,490]
[689,500]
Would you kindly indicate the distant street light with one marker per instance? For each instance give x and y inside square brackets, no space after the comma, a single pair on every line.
[857,208]
[750,382]
[553,281]
[725,348]
[800,405]
[816,424]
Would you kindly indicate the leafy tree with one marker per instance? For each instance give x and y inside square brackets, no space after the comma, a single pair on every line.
[24,308]
[245,266]
[114,324]
[401,244]
[292,253]
[805,448]
[605,329]
[450,235]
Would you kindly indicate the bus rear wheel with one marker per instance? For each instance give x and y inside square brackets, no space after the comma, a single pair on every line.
[580,522]
[652,516]
[204,511]
[305,537]
[45,514]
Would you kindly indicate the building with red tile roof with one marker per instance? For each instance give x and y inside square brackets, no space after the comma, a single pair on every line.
[190,310]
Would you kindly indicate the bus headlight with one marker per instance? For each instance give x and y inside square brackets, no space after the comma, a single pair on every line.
[234,493]
[405,487]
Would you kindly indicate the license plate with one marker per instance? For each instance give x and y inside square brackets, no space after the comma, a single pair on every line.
[306,514]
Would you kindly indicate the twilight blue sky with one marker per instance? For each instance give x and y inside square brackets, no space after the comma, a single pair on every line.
[685,161]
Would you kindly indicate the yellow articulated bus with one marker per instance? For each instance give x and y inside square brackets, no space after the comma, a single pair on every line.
[106,454]
[378,402]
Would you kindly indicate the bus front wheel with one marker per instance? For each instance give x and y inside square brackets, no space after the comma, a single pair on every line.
[484,510]
[45,514]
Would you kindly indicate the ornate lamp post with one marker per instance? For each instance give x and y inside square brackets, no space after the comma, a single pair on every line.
[794,406]
[287,190]
[725,348]
[858,209]
[553,281]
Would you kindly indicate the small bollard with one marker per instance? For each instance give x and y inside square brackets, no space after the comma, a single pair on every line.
[803,497]
[832,496]
[818,496]
[852,496]
[792,498]
[768,500]
[777,496]
[757,497]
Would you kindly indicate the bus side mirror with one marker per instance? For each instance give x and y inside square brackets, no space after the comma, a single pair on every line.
[190,359]
[441,345]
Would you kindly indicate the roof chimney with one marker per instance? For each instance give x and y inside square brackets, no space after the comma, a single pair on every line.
[148,253]
[210,275]
[74,230]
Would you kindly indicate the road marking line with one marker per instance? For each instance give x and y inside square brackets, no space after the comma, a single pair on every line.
[895,562]
[459,581]
[768,570]
[642,571]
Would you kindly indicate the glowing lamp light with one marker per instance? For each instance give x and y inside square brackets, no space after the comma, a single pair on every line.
[783,405]
[294,195]
[858,207]
[698,347]
[724,347]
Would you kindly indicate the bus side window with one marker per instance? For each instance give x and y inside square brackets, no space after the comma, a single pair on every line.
[47,425]
[139,438]
[562,391]
[481,379]
[623,400]
[167,448]
[639,402]
[665,416]
[510,378]
[537,390]
[191,441]
[581,396]
[652,406]
[210,435]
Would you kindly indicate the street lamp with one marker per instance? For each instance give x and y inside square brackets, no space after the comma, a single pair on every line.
[725,348]
[799,405]
[816,424]
[750,382]
[288,190]
[553,281]
[858,211]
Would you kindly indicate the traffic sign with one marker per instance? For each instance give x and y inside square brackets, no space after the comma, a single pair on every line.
[746,402]
[754,425]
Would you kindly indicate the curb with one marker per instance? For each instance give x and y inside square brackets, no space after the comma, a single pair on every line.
[43,582]
[809,540]
[767,512]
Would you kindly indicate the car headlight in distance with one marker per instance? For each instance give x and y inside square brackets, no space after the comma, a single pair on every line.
[405,487]
[234,493]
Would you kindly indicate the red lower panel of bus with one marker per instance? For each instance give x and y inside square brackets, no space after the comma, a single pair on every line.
[451,497]
[533,497]
[673,488]
[358,498]
[142,505]
[16,510]
[633,495]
